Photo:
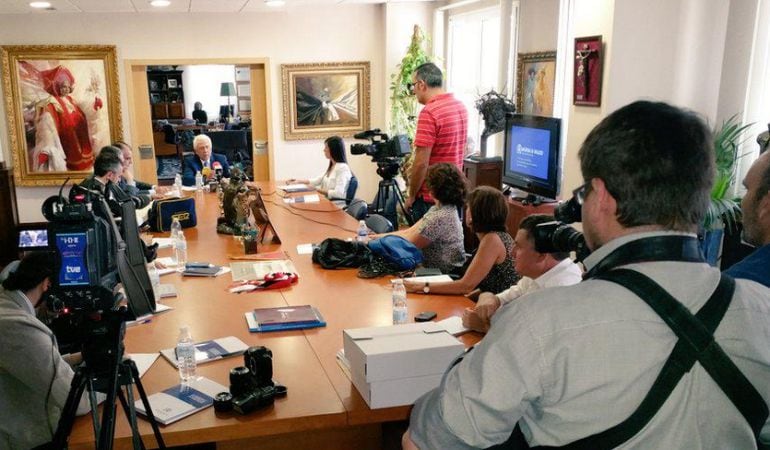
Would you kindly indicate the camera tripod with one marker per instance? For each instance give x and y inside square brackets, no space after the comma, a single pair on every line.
[95,379]
[388,196]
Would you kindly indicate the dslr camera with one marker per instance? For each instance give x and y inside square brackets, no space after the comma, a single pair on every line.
[251,385]
[558,236]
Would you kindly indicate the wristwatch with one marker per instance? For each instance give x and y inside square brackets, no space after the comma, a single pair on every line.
[426,288]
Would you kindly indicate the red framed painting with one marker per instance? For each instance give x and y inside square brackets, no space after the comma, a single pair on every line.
[587,82]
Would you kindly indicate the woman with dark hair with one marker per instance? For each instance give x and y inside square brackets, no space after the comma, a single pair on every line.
[334,182]
[34,378]
[439,233]
[492,266]
[199,115]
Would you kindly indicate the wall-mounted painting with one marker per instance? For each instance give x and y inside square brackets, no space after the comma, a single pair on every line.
[325,99]
[535,83]
[62,106]
[587,85]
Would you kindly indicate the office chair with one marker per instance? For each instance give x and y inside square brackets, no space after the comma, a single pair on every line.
[358,209]
[352,188]
[379,224]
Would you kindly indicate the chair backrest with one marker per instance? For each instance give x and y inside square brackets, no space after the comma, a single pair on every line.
[379,224]
[357,209]
[352,188]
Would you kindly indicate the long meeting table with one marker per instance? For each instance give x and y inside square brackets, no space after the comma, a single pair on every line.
[323,410]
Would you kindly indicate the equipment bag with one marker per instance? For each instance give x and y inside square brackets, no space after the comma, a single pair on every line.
[397,251]
[163,212]
[335,253]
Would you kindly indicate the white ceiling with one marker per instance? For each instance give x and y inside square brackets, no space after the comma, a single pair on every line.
[177,6]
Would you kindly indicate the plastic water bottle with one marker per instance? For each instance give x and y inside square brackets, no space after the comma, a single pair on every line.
[185,354]
[181,250]
[154,280]
[178,184]
[176,228]
[362,235]
[399,302]
[198,181]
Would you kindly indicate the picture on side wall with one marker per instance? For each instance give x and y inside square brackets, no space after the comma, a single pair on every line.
[587,84]
[62,105]
[535,83]
[325,99]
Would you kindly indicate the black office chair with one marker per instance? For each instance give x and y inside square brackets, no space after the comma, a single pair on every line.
[352,188]
[379,224]
[358,209]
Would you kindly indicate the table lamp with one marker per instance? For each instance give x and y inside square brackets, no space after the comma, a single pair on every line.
[227,89]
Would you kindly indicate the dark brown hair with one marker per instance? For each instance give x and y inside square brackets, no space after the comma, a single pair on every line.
[529,224]
[446,184]
[489,210]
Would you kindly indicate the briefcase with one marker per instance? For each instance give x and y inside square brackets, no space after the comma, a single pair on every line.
[164,211]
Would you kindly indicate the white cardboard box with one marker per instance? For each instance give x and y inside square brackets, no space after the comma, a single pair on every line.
[395,365]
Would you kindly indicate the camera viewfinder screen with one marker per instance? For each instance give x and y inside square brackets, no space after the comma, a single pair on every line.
[72,248]
[33,238]
[530,148]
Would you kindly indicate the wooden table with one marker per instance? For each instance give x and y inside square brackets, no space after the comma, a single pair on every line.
[322,410]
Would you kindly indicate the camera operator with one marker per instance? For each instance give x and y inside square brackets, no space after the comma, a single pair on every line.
[564,364]
[538,271]
[34,378]
[442,129]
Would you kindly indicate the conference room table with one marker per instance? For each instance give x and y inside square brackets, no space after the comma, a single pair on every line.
[322,410]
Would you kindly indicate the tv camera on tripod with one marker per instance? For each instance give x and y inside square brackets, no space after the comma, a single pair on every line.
[94,261]
[388,153]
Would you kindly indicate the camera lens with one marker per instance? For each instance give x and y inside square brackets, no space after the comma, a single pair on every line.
[240,381]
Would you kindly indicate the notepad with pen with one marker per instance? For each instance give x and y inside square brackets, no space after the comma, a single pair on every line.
[284,318]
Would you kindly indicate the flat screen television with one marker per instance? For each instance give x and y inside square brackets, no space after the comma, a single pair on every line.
[532,160]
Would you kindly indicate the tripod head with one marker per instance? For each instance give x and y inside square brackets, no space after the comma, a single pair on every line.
[388,168]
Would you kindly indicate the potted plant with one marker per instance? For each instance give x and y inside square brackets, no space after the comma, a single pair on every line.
[724,211]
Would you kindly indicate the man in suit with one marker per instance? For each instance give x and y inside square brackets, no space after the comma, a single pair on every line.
[128,183]
[108,168]
[203,158]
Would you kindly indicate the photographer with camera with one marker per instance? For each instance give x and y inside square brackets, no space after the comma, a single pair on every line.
[574,364]
[538,271]
[334,182]
[34,378]
[442,130]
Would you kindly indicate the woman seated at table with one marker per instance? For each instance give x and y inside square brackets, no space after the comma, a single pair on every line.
[334,182]
[492,266]
[439,234]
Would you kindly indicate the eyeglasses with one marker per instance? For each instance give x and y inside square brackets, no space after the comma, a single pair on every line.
[580,193]
[411,86]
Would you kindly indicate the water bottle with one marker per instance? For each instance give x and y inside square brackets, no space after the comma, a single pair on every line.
[154,281]
[178,184]
[362,235]
[181,251]
[399,302]
[176,228]
[198,181]
[185,354]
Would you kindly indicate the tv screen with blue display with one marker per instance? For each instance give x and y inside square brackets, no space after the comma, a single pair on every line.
[532,160]
[72,249]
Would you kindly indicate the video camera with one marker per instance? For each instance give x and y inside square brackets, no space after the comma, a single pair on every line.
[558,236]
[386,152]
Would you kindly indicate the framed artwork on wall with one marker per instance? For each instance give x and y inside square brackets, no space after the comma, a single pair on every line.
[325,99]
[587,83]
[62,105]
[535,83]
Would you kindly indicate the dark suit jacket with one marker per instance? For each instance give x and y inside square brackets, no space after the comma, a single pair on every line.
[193,164]
[115,195]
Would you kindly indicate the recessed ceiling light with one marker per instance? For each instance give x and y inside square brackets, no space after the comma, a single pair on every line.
[160,3]
[40,5]
[274,3]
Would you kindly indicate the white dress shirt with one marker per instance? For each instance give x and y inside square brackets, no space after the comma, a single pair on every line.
[566,273]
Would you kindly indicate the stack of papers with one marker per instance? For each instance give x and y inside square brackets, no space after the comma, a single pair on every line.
[247,271]
[182,400]
[297,187]
[314,198]
[284,318]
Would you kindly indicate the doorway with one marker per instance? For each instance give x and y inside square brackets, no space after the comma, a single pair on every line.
[252,97]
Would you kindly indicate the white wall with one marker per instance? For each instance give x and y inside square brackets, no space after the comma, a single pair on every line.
[314,34]
[538,25]
[201,84]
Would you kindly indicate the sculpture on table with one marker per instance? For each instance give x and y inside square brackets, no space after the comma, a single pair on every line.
[233,218]
[493,107]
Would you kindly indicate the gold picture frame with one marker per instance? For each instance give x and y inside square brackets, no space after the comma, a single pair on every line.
[536,83]
[325,99]
[62,103]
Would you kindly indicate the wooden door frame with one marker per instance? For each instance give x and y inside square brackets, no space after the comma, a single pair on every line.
[130,64]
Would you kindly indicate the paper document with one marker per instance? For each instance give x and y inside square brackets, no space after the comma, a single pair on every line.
[305,249]
[166,290]
[167,261]
[210,350]
[245,271]
[453,325]
[314,198]
[431,279]
[297,187]
[181,400]
[159,308]
[143,361]
[163,242]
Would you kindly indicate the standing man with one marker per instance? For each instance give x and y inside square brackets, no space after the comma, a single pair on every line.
[571,362]
[756,223]
[203,158]
[442,129]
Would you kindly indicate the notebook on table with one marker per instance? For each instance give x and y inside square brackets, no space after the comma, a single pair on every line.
[284,318]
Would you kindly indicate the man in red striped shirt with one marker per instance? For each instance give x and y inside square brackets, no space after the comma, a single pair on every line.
[442,129]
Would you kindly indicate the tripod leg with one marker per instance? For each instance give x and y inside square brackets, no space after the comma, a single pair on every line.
[67,418]
[146,403]
[94,403]
[128,409]
[400,198]
[107,433]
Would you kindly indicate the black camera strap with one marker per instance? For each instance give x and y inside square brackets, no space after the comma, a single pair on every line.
[656,248]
